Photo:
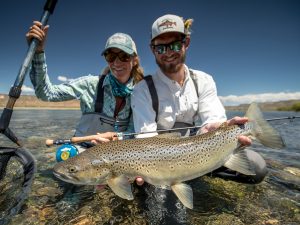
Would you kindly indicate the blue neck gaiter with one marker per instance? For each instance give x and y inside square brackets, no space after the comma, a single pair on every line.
[119,89]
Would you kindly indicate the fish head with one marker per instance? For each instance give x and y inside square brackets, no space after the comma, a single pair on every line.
[83,169]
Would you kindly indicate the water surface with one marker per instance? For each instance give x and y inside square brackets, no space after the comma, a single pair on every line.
[274,201]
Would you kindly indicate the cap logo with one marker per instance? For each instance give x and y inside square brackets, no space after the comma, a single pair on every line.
[117,39]
[167,24]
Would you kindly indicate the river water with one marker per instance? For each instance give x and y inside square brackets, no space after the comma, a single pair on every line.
[274,201]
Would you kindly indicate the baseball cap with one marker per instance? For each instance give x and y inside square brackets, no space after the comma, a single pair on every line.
[167,23]
[121,41]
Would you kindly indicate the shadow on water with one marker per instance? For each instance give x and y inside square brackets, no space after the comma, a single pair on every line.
[274,201]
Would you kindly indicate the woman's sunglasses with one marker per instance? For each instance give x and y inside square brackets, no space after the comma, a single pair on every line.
[174,46]
[111,56]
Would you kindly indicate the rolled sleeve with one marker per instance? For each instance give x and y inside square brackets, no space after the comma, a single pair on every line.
[210,108]
[46,91]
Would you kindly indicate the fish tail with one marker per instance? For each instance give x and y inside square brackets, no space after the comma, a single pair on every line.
[262,130]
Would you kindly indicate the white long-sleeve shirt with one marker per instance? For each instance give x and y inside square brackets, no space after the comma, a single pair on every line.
[176,103]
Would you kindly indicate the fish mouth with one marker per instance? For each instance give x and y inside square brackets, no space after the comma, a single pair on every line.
[67,178]
[74,180]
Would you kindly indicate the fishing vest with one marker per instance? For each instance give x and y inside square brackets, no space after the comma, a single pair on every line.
[155,102]
[97,122]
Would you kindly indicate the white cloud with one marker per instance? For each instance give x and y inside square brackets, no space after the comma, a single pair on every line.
[63,79]
[264,97]
[27,90]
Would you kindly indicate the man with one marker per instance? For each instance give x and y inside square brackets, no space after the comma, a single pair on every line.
[177,96]
[184,95]
[181,101]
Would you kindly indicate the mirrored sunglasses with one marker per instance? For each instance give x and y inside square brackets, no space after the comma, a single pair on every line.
[174,46]
[111,56]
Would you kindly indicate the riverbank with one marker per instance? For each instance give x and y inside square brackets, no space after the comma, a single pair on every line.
[32,102]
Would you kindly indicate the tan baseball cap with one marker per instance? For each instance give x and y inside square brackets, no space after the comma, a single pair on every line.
[167,23]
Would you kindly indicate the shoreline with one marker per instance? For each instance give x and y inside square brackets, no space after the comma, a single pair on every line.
[31,102]
[45,108]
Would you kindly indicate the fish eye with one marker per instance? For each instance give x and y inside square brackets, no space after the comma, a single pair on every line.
[72,169]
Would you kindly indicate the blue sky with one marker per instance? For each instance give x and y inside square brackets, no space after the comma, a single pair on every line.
[250,47]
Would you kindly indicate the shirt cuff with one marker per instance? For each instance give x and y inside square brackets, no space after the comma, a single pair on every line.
[39,58]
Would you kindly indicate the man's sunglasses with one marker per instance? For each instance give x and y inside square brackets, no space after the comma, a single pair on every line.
[111,56]
[174,46]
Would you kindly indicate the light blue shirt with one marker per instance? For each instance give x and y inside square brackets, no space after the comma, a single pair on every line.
[83,88]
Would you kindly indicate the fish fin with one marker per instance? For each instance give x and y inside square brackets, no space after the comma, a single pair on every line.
[121,187]
[262,130]
[173,135]
[239,162]
[184,193]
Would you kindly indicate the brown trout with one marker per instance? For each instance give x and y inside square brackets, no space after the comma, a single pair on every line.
[168,160]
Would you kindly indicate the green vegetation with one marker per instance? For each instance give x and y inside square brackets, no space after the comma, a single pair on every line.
[294,107]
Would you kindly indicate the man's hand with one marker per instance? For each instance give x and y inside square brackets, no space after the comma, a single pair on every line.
[244,140]
[234,121]
[139,181]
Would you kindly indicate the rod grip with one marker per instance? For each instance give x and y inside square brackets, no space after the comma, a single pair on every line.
[49,142]
[50,5]
[73,140]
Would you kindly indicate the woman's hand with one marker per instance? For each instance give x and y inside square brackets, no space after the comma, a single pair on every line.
[39,32]
[105,137]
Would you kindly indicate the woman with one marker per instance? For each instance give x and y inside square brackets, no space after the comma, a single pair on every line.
[105,99]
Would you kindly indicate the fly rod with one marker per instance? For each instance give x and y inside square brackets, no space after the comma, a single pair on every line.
[284,118]
[75,140]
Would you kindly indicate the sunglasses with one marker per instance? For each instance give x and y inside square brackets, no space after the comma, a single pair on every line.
[111,56]
[175,46]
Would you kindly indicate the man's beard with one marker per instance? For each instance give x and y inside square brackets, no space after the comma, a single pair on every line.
[172,67]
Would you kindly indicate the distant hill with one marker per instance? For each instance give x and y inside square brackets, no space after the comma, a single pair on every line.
[266,106]
[31,101]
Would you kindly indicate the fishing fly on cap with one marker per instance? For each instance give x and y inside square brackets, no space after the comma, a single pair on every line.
[187,26]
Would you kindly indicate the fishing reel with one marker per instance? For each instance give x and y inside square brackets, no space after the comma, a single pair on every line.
[66,151]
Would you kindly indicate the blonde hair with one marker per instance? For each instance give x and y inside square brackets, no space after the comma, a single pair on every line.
[137,71]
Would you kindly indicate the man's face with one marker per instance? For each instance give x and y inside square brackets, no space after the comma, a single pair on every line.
[170,50]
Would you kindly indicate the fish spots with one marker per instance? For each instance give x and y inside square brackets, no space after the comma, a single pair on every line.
[172,167]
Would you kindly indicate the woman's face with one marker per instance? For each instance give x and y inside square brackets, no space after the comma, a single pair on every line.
[120,63]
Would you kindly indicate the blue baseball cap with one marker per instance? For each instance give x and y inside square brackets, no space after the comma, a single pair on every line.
[121,41]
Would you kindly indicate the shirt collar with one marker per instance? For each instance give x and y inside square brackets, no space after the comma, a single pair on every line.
[171,83]
[106,80]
